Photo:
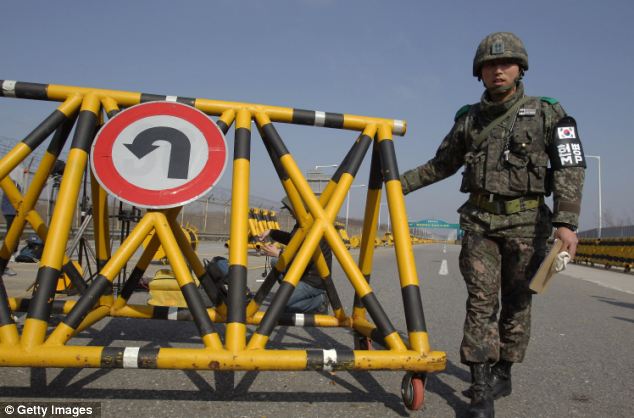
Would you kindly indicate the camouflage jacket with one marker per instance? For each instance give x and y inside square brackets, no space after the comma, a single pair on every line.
[510,162]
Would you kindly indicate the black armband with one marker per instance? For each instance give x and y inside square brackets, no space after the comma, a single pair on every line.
[566,150]
[573,228]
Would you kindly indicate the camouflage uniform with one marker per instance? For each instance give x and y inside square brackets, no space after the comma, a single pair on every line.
[505,220]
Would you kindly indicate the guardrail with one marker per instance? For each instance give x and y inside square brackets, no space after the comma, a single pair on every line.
[609,252]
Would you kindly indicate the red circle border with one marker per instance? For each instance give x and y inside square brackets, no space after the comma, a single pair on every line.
[112,181]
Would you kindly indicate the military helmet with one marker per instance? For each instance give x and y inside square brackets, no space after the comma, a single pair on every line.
[499,45]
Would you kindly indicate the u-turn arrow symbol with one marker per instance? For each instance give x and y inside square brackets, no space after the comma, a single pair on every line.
[180,148]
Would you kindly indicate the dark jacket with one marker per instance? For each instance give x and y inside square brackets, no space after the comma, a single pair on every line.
[311,275]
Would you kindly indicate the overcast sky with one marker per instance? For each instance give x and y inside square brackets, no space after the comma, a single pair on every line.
[398,59]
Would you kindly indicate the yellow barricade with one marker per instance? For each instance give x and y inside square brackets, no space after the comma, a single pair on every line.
[34,347]
[609,252]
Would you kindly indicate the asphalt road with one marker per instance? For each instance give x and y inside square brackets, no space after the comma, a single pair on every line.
[579,363]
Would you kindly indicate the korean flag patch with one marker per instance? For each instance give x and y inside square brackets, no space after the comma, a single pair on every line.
[565,149]
[566,132]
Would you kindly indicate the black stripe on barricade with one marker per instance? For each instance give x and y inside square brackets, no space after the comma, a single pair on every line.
[334,120]
[237,292]
[44,129]
[242,146]
[598,258]
[5,310]
[101,264]
[112,113]
[98,287]
[274,139]
[112,357]
[274,312]
[345,360]
[358,303]
[189,101]
[58,306]
[210,288]
[24,305]
[169,313]
[160,312]
[329,360]
[60,136]
[279,169]
[376,335]
[314,359]
[33,91]
[3,266]
[85,130]
[297,320]
[183,314]
[356,158]
[148,97]
[341,169]
[42,300]
[148,357]
[388,160]
[266,286]
[375,181]
[222,126]
[345,163]
[331,292]
[197,309]
[303,117]
[22,90]
[131,283]
[287,319]
[76,279]
[377,313]
[129,357]
[414,315]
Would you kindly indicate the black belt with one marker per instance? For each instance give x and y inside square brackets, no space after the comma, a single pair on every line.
[500,205]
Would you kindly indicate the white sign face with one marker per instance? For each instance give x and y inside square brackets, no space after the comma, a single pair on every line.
[159,155]
[152,170]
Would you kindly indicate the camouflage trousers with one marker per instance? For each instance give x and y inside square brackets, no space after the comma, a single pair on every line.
[494,267]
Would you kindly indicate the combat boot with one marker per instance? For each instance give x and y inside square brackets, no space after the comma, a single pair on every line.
[481,398]
[501,379]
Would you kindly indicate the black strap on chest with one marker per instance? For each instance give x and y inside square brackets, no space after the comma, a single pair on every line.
[479,138]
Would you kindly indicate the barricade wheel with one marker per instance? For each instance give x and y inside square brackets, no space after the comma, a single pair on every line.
[361,342]
[413,390]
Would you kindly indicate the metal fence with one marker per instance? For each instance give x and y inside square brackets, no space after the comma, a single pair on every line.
[609,232]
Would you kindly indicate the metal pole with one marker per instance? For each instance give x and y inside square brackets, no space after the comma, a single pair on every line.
[348,202]
[600,196]
[347,208]
[598,157]
[319,180]
[206,207]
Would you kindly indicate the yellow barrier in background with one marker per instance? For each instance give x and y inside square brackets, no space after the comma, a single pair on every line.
[609,252]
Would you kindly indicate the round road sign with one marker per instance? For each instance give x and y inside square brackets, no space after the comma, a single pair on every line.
[159,155]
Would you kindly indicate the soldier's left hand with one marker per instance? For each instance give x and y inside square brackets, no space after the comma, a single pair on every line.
[569,240]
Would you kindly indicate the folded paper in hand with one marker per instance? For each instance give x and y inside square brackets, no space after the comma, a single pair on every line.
[554,262]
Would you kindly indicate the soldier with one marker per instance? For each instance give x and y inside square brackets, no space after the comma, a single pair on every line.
[505,143]
[309,295]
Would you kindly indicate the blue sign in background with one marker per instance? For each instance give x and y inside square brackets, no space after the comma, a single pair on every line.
[433,223]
